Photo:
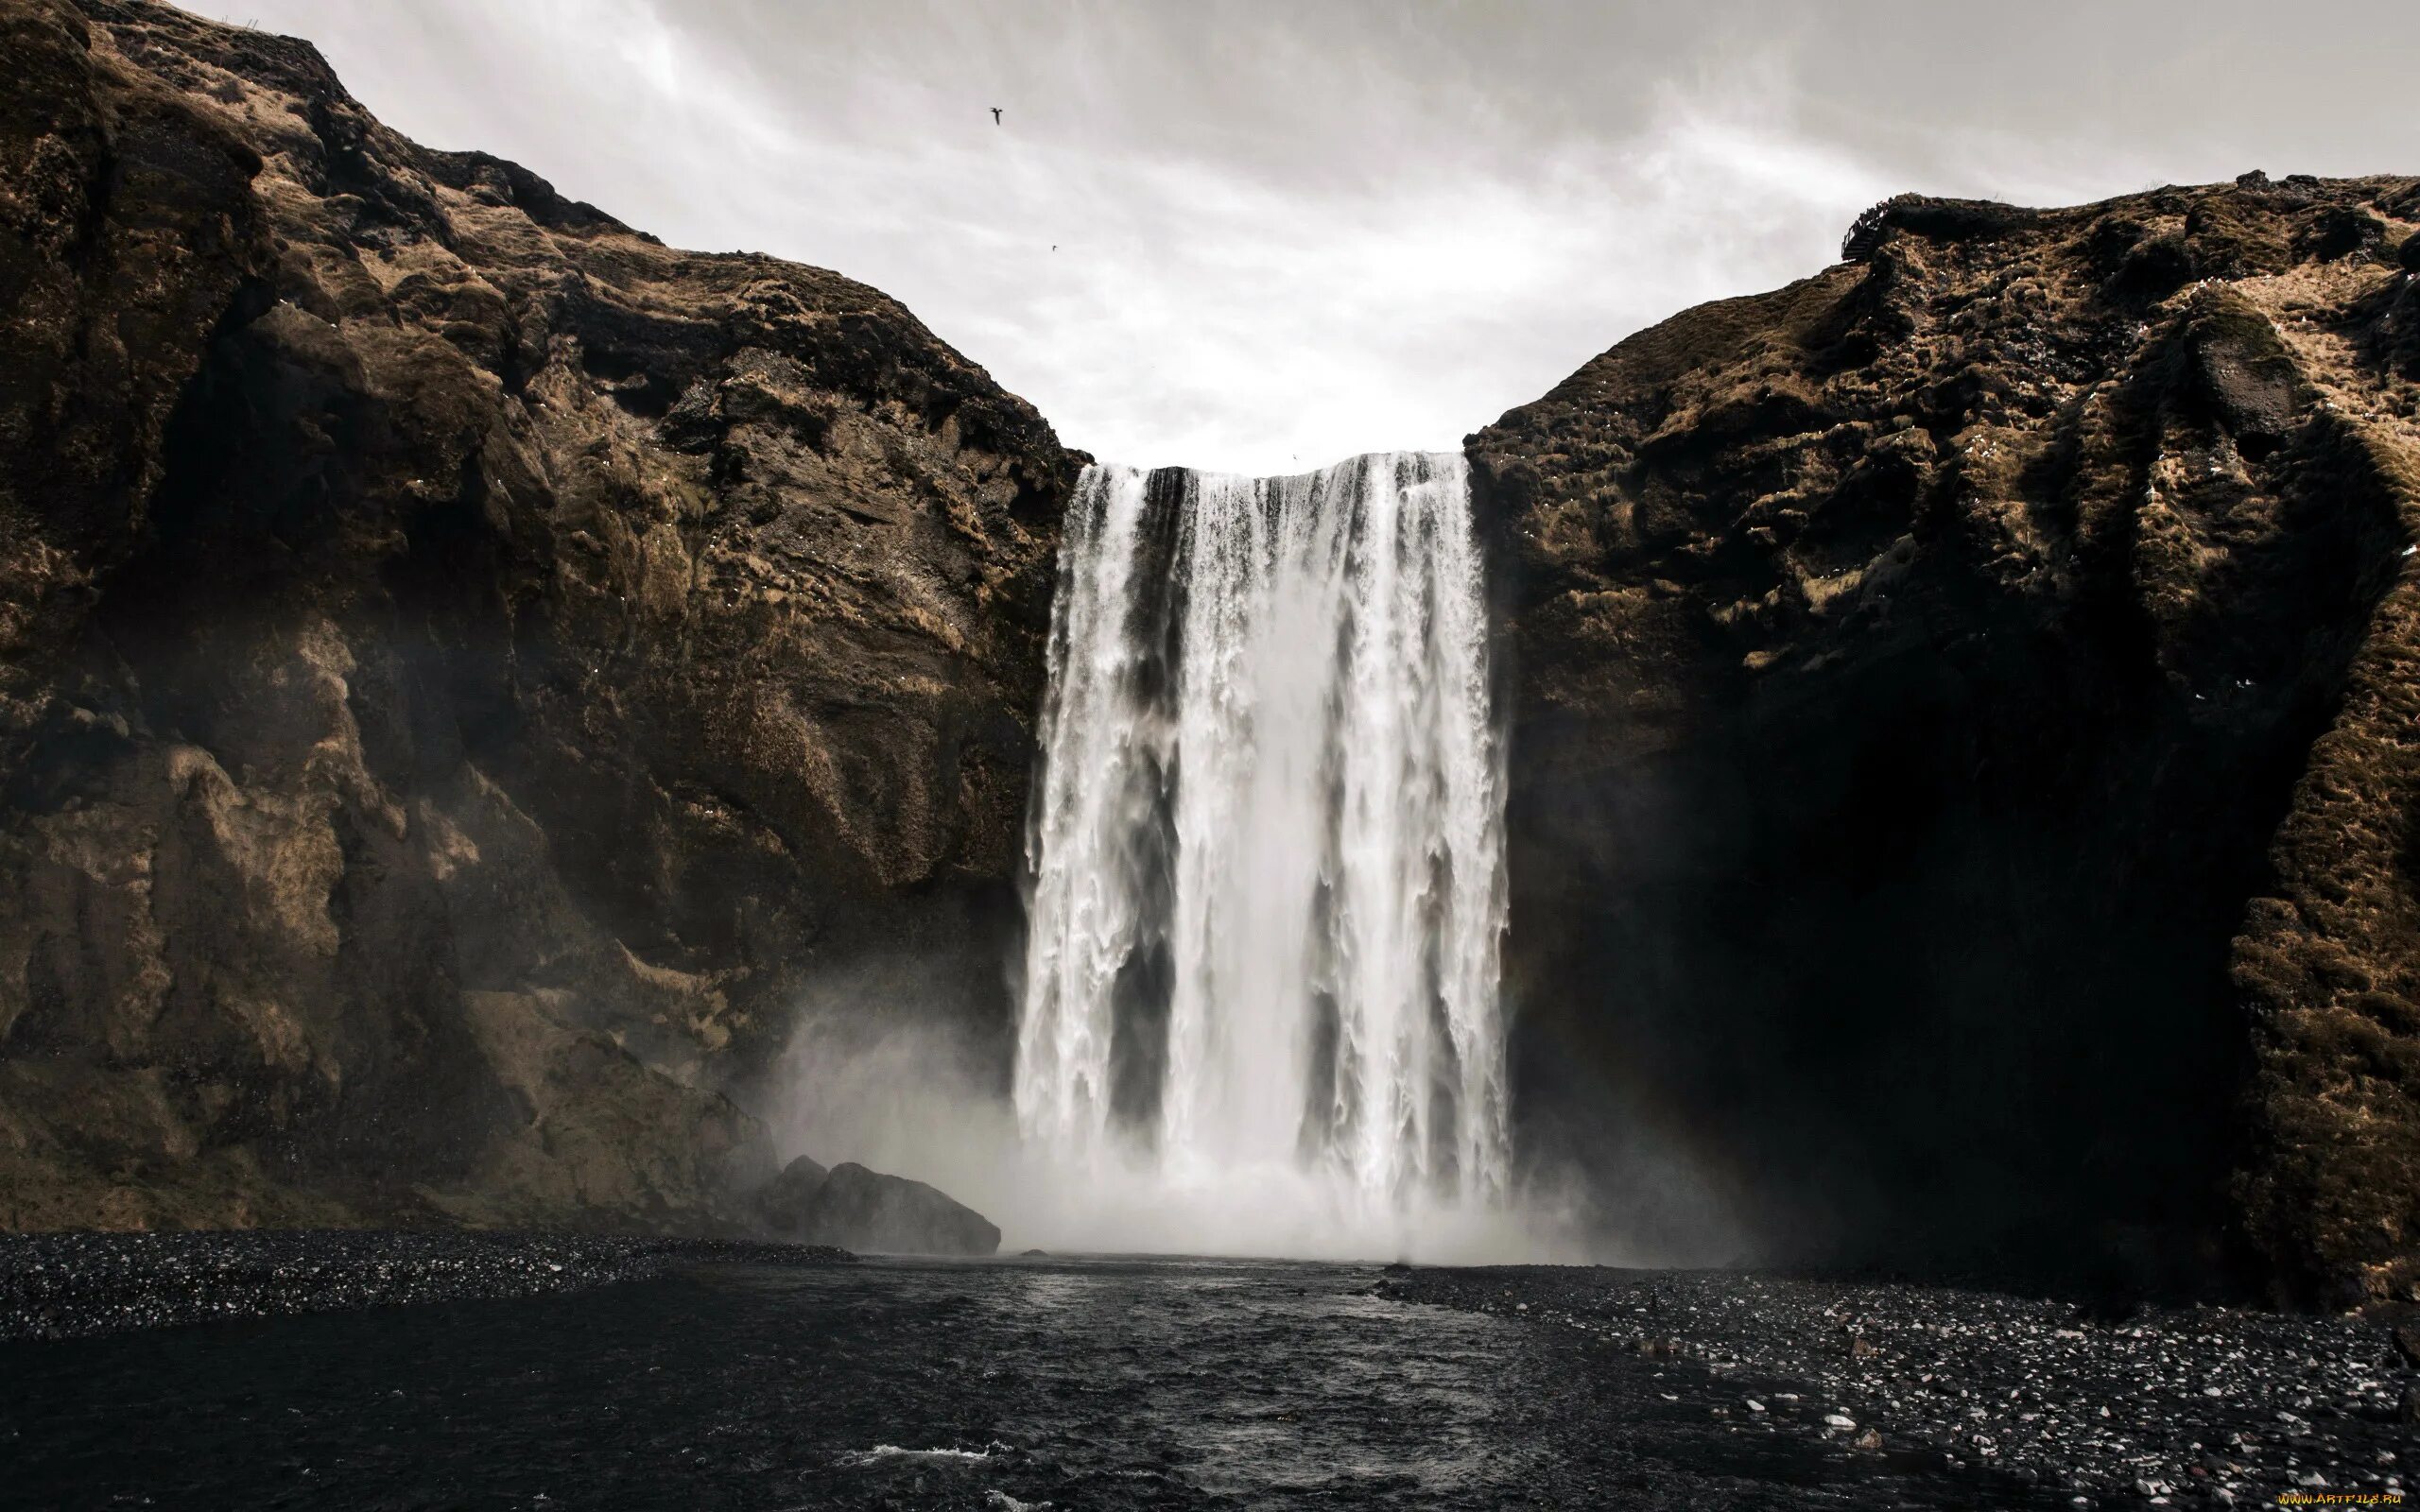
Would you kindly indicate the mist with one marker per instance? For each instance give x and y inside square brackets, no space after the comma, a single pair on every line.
[922,1096]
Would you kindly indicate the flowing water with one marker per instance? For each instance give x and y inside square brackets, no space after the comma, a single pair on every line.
[985,1386]
[1267,848]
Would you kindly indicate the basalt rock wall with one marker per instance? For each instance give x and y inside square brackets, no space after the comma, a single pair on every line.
[463,665]
[1966,795]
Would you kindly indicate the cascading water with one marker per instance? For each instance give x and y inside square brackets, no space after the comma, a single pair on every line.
[1266,852]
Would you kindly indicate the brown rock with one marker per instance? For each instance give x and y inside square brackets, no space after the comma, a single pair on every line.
[1961,731]
[463,665]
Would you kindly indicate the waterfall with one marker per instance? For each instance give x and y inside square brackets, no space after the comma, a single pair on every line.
[1266,850]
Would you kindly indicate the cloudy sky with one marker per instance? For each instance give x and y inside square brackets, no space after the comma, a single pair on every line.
[1265,234]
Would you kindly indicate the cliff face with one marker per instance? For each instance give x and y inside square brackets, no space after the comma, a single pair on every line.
[462,663]
[1965,793]
[465,667]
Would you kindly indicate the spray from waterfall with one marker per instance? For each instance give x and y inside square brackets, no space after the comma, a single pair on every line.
[1266,853]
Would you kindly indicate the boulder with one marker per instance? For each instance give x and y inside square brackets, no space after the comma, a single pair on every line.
[785,1202]
[866,1211]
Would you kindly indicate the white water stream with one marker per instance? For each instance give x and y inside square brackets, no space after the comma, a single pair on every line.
[1266,853]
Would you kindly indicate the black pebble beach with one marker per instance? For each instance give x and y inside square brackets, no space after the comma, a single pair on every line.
[65,1285]
[2199,1406]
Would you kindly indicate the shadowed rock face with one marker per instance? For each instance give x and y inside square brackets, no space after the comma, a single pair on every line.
[462,663]
[786,1201]
[1963,785]
[865,1211]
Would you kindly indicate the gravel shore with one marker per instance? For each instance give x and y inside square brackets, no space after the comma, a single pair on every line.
[64,1285]
[2204,1406]
[2180,1407]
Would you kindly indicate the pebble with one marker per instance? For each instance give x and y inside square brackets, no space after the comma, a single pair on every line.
[64,1285]
[2195,1406]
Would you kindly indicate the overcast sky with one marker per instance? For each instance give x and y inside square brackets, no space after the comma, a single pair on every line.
[1262,236]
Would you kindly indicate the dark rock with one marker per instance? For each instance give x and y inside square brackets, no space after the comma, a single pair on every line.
[784,1203]
[55,1286]
[2407,1344]
[2341,231]
[865,1211]
[861,1210]
[1943,220]
[1961,725]
[2232,1399]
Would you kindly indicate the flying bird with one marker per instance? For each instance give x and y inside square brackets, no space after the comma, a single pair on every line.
[995,115]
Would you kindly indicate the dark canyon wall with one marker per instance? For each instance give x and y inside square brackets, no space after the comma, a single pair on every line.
[1966,785]
[462,663]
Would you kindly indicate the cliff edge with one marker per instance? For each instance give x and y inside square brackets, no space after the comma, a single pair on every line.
[463,663]
[1965,794]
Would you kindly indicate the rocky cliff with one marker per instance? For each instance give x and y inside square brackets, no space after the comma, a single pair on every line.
[466,667]
[1966,798]
[463,663]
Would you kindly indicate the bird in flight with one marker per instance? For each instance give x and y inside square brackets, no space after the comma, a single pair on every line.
[995,115]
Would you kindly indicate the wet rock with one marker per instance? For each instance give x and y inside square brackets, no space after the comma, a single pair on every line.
[865,1211]
[1994,1385]
[786,1201]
